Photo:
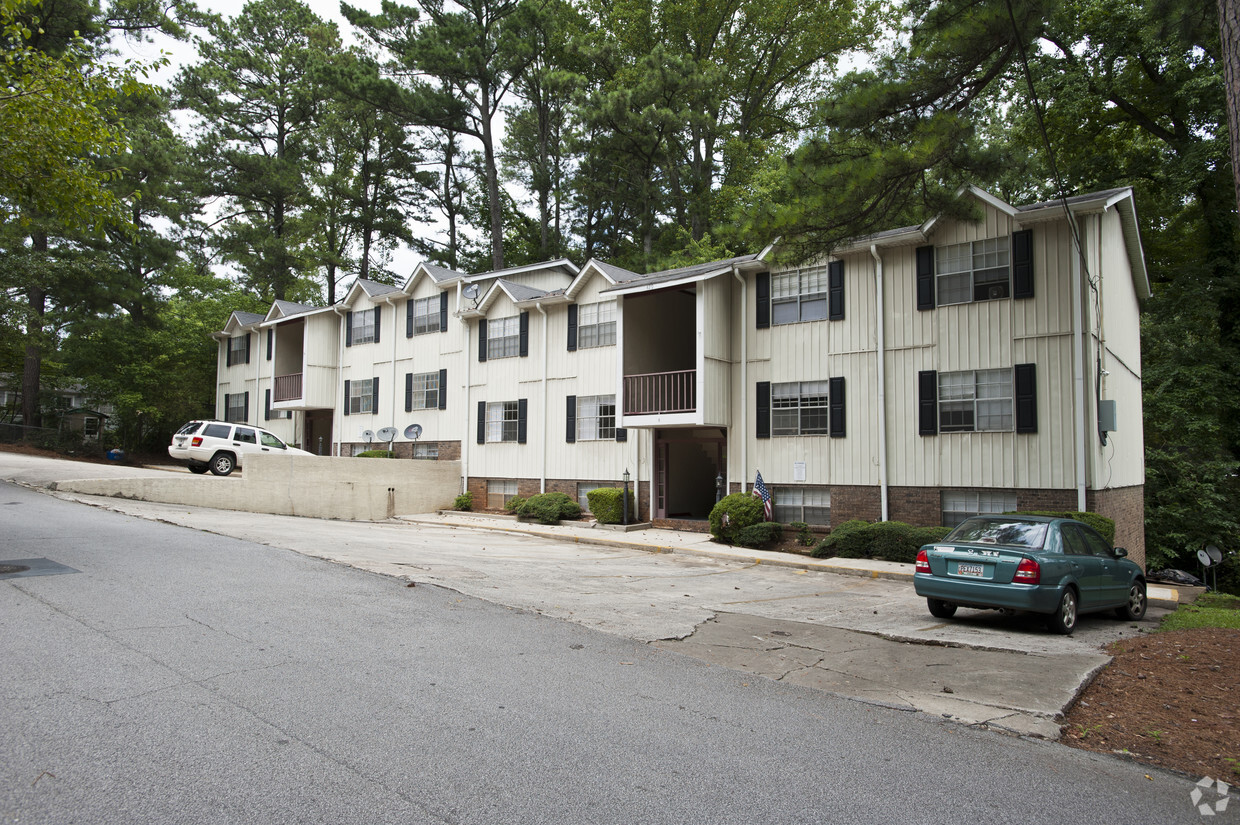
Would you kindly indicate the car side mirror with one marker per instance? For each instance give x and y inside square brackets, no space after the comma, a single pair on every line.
[1120,552]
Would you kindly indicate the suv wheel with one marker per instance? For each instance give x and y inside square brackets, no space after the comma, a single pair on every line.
[198,469]
[222,464]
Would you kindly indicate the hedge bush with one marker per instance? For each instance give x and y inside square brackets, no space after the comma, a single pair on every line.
[742,510]
[376,454]
[549,508]
[1104,525]
[805,536]
[758,535]
[514,505]
[607,505]
[465,501]
[886,540]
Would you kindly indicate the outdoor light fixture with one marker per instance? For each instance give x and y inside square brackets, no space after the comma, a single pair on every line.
[626,495]
[719,487]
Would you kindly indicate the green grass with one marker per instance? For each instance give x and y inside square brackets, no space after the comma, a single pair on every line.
[1210,610]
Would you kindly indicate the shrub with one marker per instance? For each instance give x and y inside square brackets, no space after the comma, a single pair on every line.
[514,505]
[886,540]
[376,454]
[805,536]
[465,501]
[1104,525]
[742,510]
[549,508]
[757,535]
[607,505]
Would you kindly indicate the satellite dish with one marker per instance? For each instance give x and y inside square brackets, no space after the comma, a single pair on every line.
[387,433]
[1214,553]
[1204,558]
[368,436]
[470,291]
[413,431]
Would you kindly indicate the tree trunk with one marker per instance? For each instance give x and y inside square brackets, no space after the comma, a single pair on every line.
[492,173]
[1229,34]
[36,299]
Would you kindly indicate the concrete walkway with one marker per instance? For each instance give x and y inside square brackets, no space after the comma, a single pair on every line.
[849,627]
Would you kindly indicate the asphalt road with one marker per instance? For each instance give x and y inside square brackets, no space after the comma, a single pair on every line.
[183,677]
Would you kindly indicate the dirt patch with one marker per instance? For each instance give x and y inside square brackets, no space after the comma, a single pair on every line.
[1168,699]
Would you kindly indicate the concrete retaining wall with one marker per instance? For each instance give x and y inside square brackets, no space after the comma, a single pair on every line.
[366,489]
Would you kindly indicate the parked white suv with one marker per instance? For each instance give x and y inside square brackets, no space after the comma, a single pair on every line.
[220,446]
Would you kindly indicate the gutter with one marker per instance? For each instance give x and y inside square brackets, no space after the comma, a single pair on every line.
[468,362]
[542,479]
[1078,371]
[337,423]
[744,439]
[882,381]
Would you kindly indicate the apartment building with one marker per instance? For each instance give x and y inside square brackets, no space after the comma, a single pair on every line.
[922,374]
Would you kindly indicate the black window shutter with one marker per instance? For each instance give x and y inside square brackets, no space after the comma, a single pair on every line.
[409,318]
[835,291]
[764,409]
[482,422]
[374,395]
[249,337]
[836,402]
[408,392]
[228,353]
[1022,264]
[246,417]
[522,411]
[925,278]
[346,397]
[572,327]
[443,312]
[570,412]
[927,402]
[1026,398]
[225,415]
[348,329]
[763,286]
[482,339]
[266,405]
[270,336]
[443,387]
[622,434]
[378,325]
[525,334]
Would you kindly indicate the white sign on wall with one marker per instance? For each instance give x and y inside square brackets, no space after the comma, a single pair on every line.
[798,471]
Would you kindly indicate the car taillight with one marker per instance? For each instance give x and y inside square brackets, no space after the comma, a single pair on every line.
[1028,572]
[923,562]
[196,442]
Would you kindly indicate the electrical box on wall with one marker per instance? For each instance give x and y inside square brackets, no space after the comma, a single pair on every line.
[1106,415]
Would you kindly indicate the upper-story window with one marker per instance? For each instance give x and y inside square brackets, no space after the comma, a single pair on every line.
[800,408]
[504,337]
[596,417]
[425,315]
[365,326]
[975,401]
[361,397]
[799,295]
[596,325]
[239,350]
[974,271]
[502,420]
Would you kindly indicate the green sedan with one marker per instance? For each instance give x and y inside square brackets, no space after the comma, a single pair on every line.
[1057,567]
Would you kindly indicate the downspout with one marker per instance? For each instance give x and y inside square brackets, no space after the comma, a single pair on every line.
[468,363]
[393,391]
[744,439]
[542,479]
[882,381]
[258,381]
[1078,378]
[337,422]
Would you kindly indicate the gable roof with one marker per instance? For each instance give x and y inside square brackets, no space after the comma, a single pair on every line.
[287,309]
[371,289]
[685,274]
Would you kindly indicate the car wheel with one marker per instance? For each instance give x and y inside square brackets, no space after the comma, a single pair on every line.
[1134,609]
[198,469]
[940,609]
[222,464]
[1063,620]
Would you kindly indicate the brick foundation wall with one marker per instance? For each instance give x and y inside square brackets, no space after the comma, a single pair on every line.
[1126,506]
[448,450]
[683,524]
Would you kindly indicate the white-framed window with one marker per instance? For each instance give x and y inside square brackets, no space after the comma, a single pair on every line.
[426,391]
[975,401]
[236,349]
[504,337]
[800,408]
[958,505]
[596,325]
[583,493]
[499,491]
[235,411]
[90,426]
[502,421]
[363,326]
[361,398]
[973,271]
[811,505]
[799,295]
[426,451]
[596,418]
[425,315]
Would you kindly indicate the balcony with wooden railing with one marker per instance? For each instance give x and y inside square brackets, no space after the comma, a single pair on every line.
[287,388]
[659,393]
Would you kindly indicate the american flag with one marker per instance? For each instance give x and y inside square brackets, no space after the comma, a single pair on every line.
[759,490]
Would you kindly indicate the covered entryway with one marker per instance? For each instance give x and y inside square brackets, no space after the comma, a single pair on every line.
[318,432]
[688,463]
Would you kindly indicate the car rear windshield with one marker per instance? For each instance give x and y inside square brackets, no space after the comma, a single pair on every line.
[217,430]
[190,428]
[1013,532]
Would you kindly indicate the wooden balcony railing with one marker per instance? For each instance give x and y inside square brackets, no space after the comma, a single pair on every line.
[287,388]
[660,392]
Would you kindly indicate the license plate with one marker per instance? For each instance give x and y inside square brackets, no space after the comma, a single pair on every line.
[970,570]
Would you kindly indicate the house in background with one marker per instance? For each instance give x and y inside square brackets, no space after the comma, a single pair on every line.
[922,374]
